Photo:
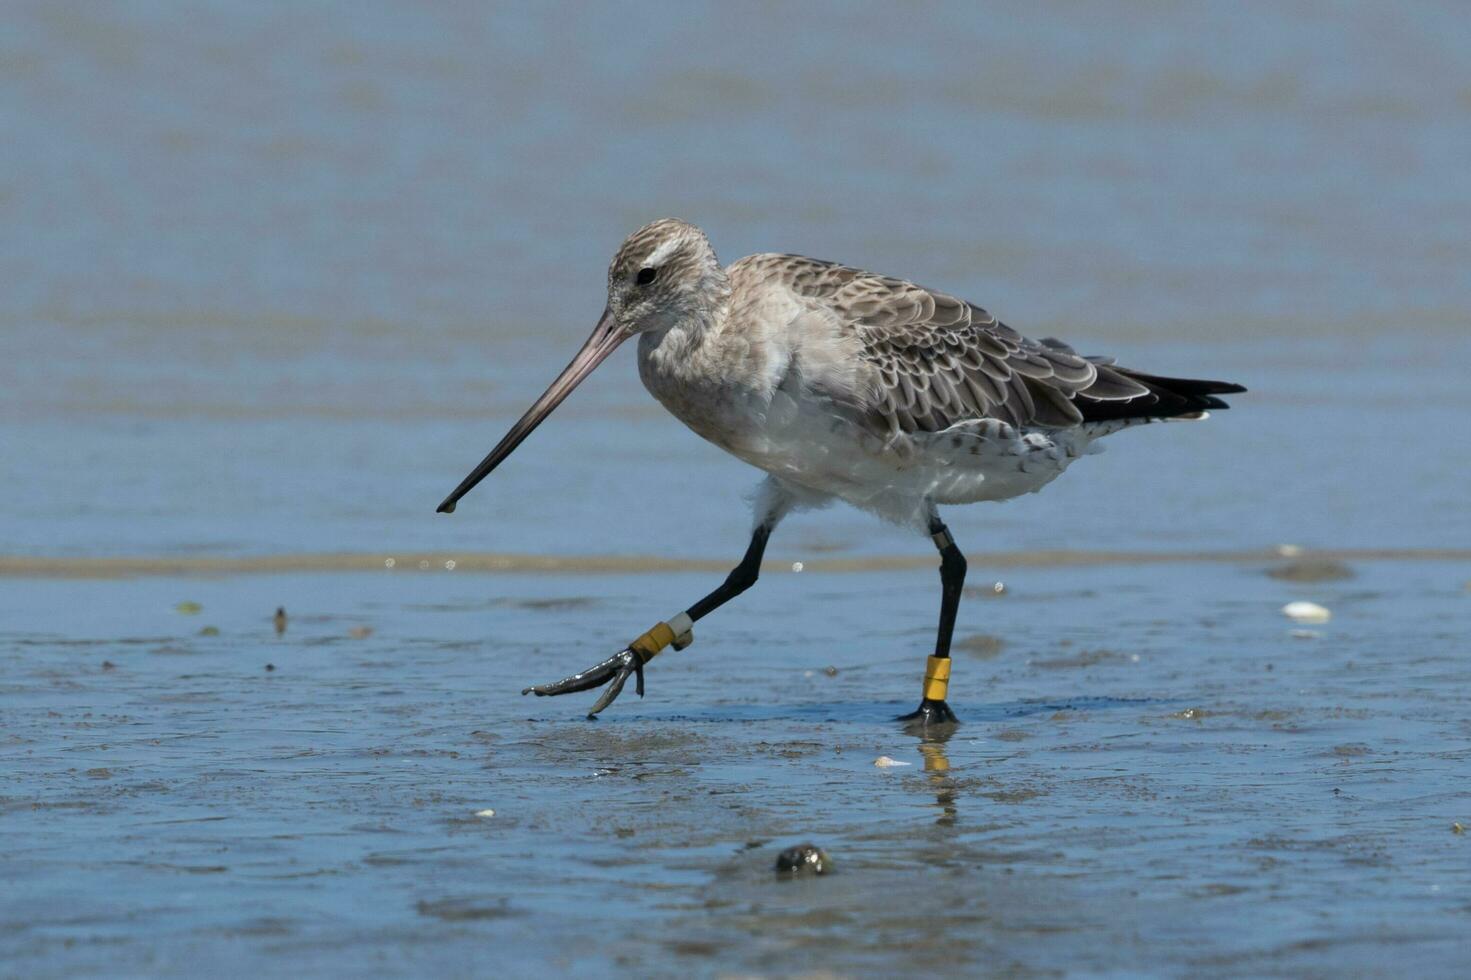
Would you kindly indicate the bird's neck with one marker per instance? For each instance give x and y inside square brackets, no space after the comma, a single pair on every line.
[688,347]
[681,351]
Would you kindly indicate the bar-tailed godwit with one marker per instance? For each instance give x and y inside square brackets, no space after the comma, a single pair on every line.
[845,385]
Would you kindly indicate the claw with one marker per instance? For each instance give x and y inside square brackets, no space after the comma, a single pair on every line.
[614,672]
[595,676]
[610,693]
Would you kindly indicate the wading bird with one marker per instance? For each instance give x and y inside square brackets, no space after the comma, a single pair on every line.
[842,384]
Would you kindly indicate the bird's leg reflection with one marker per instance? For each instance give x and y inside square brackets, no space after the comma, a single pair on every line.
[937,771]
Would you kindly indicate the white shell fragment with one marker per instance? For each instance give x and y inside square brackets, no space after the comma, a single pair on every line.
[884,762]
[1306,612]
[484,813]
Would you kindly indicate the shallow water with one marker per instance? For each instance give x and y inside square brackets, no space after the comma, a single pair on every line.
[277,277]
[1153,773]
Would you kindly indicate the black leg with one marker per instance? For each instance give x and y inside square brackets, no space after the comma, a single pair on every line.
[932,709]
[741,578]
[630,661]
[952,582]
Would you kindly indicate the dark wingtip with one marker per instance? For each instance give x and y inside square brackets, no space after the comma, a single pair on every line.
[448,507]
[1220,388]
[1170,398]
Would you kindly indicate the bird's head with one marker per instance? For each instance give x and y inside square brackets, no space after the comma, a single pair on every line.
[664,274]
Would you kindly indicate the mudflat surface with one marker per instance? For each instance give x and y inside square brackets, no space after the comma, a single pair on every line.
[1153,774]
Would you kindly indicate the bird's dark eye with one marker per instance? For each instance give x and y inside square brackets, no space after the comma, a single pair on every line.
[646,275]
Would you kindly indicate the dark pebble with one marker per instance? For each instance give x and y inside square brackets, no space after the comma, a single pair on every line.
[804,859]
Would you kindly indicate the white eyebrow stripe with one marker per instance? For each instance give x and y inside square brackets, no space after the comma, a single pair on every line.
[661,253]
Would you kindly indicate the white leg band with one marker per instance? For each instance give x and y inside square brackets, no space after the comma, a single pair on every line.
[684,630]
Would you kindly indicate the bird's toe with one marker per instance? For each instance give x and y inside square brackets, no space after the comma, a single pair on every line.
[929,714]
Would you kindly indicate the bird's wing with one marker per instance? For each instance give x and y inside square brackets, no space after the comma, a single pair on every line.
[935,360]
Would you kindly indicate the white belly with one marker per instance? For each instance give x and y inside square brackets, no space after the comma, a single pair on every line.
[806,442]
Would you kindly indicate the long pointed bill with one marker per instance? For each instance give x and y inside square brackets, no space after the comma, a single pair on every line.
[606,337]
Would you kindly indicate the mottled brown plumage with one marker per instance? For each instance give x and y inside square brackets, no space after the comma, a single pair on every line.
[940,361]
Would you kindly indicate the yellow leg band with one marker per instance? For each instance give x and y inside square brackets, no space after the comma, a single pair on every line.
[936,678]
[662,635]
[656,639]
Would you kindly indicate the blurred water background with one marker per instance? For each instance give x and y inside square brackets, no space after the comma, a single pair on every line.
[277,275]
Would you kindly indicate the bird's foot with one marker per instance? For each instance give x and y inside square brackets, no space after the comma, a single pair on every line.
[933,710]
[929,714]
[614,672]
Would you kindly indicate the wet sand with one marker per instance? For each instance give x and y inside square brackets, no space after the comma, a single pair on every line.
[1155,772]
[1290,563]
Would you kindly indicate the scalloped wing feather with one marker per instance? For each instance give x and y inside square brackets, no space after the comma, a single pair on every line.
[936,361]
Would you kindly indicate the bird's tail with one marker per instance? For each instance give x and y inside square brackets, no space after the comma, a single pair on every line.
[1169,398]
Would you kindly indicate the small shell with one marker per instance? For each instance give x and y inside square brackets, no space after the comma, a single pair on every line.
[884,762]
[484,813]
[1306,612]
